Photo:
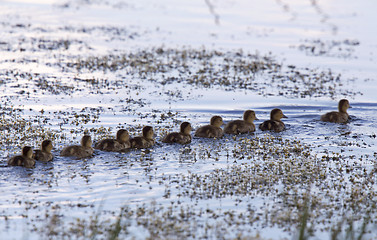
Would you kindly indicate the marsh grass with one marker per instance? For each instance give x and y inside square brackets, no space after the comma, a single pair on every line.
[230,71]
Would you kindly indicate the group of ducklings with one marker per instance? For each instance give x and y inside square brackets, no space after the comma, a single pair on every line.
[123,140]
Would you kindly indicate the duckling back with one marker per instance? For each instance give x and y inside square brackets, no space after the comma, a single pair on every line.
[209,131]
[77,151]
[43,156]
[21,161]
[141,142]
[177,137]
[335,117]
[272,125]
[239,126]
[112,145]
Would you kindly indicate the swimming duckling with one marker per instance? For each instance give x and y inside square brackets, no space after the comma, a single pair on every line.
[44,154]
[25,159]
[119,144]
[182,137]
[338,117]
[274,124]
[85,150]
[242,126]
[145,141]
[213,130]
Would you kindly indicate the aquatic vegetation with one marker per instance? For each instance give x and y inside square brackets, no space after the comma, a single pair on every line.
[341,49]
[210,68]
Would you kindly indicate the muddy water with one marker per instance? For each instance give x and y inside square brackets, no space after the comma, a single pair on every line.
[332,49]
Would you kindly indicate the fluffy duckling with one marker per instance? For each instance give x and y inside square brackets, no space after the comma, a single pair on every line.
[242,126]
[25,159]
[144,141]
[85,150]
[213,130]
[119,144]
[338,117]
[182,137]
[44,154]
[274,124]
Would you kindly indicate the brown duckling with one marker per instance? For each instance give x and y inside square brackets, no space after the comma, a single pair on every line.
[84,150]
[242,126]
[144,141]
[338,117]
[119,144]
[25,159]
[274,124]
[182,137]
[44,154]
[213,130]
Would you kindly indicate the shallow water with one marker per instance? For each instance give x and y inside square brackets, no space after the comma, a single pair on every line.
[317,39]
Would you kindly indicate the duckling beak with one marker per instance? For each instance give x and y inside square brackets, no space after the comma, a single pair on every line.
[349,106]
[284,116]
[256,118]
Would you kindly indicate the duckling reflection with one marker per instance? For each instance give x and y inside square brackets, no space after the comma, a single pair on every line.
[44,154]
[338,117]
[182,137]
[274,124]
[121,143]
[242,126]
[144,141]
[84,150]
[213,130]
[24,160]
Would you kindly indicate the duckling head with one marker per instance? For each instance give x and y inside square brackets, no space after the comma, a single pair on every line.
[186,128]
[217,121]
[123,135]
[249,116]
[277,114]
[47,146]
[343,105]
[86,141]
[148,132]
[27,152]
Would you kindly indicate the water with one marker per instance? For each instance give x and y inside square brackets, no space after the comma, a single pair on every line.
[319,39]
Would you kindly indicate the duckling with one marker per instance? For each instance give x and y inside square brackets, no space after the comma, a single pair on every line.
[338,117]
[242,126]
[213,130]
[44,154]
[85,150]
[145,141]
[119,144]
[182,137]
[274,124]
[25,159]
